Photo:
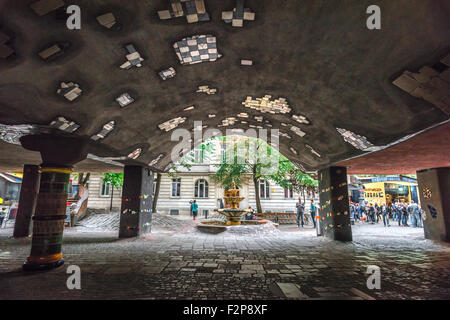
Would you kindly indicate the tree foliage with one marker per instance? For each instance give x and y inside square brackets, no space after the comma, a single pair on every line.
[116,179]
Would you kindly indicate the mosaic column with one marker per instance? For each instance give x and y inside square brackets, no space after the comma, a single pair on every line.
[136,209]
[334,206]
[434,194]
[59,152]
[48,220]
[27,201]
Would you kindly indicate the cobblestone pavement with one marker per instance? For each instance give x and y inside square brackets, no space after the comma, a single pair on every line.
[186,264]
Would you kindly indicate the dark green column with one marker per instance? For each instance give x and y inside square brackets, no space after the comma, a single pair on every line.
[334,203]
[136,209]
[434,193]
[59,152]
[27,201]
[48,220]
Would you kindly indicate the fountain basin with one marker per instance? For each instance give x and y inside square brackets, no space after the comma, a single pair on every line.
[234,216]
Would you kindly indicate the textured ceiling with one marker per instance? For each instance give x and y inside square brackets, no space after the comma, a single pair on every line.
[319,55]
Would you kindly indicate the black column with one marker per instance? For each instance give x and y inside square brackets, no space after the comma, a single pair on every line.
[434,193]
[59,153]
[136,209]
[334,203]
[27,201]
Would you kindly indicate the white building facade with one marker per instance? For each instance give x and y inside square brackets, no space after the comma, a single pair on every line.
[177,189]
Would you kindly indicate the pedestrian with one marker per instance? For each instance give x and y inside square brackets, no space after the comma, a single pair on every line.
[312,210]
[414,212]
[352,212]
[2,216]
[194,209]
[404,215]
[250,213]
[385,213]
[300,210]
[377,211]
[372,213]
[360,211]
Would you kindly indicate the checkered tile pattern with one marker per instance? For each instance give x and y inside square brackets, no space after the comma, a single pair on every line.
[238,15]
[125,99]
[267,105]
[359,142]
[300,119]
[298,131]
[197,49]
[156,160]
[171,124]
[193,10]
[135,154]
[167,73]
[107,128]
[65,125]
[314,152]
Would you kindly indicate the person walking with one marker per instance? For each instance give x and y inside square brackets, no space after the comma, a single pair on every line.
[360,210]
[194,209]
[377,211]
[404,215]
[352,213]
[312,210]
[414,212]
[385,213]
[300,211]
[372,213]
[2,216]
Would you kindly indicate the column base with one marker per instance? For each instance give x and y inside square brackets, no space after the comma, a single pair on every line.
[39,266]
[43,263]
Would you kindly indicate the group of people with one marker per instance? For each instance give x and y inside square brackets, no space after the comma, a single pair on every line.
[400,212]
[301,212]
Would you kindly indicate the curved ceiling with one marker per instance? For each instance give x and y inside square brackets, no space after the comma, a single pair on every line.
[318,55]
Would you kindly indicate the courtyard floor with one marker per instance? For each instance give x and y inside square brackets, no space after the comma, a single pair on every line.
[178,262]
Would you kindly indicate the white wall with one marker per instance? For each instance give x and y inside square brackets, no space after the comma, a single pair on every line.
[98,202]
[276,202]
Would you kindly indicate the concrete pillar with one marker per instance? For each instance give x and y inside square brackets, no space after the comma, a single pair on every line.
[334,205]
[434,193]
[59,153]
[136,209]
[27,201]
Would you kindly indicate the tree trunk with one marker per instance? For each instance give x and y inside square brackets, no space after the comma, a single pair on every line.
[112,195]
[80,178]
[258,200]
[85,180]
[155,197]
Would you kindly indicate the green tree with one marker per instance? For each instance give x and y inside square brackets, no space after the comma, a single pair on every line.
[116,181]
[289,176]
[247,156]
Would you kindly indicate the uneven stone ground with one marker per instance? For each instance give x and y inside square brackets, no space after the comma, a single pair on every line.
[178,262]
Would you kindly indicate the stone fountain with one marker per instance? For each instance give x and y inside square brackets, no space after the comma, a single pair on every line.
[234,223]
[232,211]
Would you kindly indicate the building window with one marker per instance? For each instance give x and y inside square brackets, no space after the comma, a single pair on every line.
[223,152]
[288,193]
[264,189]
[198,155]
[201,189]
[106,188]
[176,187]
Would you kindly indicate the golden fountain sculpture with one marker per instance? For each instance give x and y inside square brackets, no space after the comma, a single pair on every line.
[232,211]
